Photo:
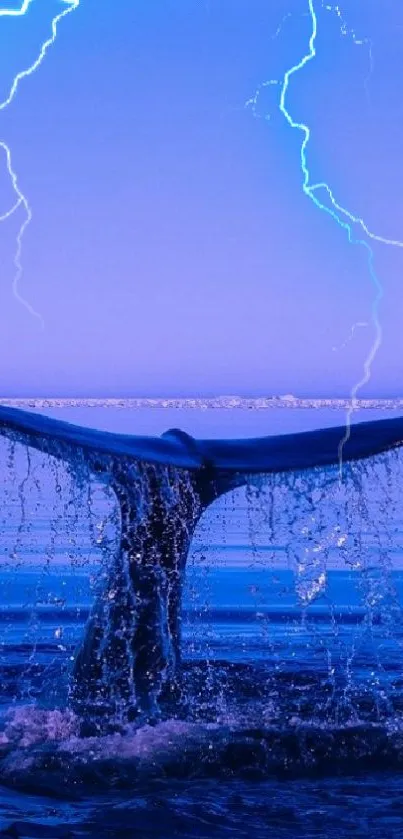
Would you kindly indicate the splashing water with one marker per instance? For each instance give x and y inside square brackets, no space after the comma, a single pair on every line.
[305,631]
[274,652]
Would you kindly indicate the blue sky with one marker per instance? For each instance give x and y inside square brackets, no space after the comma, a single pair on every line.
[171,249]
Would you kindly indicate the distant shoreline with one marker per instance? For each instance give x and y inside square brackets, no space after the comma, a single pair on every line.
[208,403]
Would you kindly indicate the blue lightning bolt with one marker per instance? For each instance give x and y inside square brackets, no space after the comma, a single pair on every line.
[343,217]
[348,31]
[361,324]
[21,199]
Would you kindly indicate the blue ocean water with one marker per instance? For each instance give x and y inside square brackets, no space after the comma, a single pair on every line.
[291,723]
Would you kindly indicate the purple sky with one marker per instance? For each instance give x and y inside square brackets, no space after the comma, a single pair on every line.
[172,250]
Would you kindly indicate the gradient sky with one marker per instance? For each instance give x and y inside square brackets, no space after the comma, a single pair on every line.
[172,250]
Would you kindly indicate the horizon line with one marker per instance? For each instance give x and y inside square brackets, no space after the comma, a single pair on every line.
[288,398]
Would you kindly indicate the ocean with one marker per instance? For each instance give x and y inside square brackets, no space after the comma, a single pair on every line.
[290,720]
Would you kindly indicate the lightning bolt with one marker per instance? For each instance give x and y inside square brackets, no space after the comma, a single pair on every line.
[21,199]
[361,324]
[345,219]
[350,32]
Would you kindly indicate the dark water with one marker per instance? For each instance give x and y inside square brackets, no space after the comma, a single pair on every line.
[291,722]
